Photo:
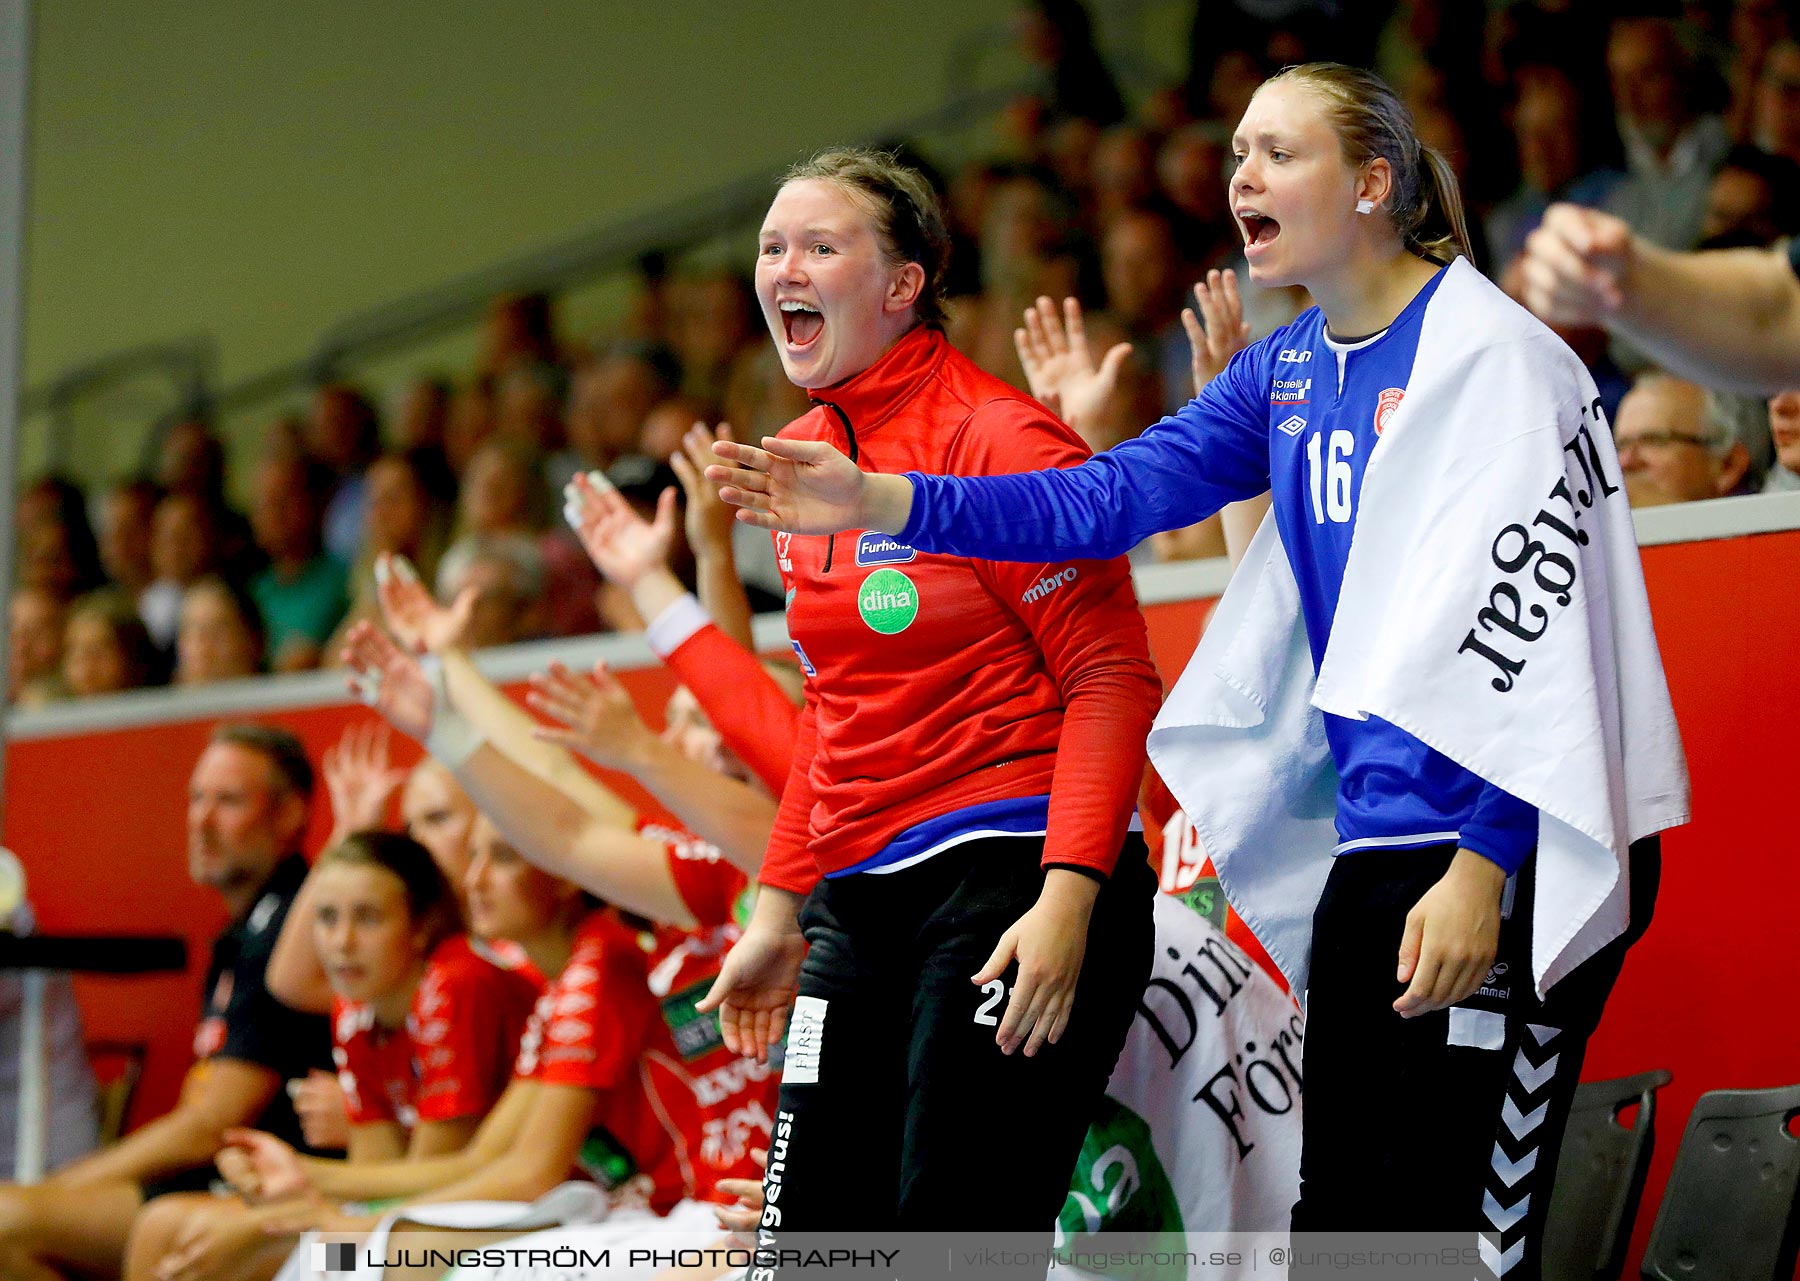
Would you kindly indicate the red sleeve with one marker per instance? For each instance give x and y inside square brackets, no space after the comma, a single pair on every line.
[358,1065]
[708,885]
[749,709]
[789,864]
[1084,616]
[468,1015]
[599,1016]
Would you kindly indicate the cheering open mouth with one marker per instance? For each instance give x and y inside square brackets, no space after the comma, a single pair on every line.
[1259,230]
[801,323]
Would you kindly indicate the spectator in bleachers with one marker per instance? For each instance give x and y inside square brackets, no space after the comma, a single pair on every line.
[1563,154]
[664,426]
[1145,283]
[402,515]
[106,648]
[709,323]
[191,460]
[1775,120]
[1784,429]
[303,592]
[1753,201]
[421,412]
[1665,98]
[504,498]
[520,332]
[1190,170]
[1756,28]
[57,554]
[343,431]
[184,547]
[1124,174]
[505,573]
[246,814]
[127,513]
[221,636]
[470,424]
[609,398]
[527,406]
[1676,445]
[1058,35]
[34,647]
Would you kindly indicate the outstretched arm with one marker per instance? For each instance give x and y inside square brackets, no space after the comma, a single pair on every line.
[1729,318]
[537,816]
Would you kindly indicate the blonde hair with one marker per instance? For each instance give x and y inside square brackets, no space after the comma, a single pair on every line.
[1424,201]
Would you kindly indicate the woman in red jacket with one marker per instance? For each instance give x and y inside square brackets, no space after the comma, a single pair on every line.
[952,856]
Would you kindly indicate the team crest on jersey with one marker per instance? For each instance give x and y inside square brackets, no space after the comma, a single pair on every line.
[877,548]
[1385,406]
[784,545]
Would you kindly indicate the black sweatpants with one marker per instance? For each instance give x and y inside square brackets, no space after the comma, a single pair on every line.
[1451,1121]
[897,1108]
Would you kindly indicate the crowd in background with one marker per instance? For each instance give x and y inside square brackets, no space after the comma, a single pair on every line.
[1684,119]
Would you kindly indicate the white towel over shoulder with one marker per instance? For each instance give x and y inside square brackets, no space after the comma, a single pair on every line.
[1493,606]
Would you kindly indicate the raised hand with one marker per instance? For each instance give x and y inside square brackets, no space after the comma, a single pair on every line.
[415,618]
[596,716]
[388,679]
[1225,332]
[359,781]
[622,544]
[1575,265]
[709,518]
[801,486]
[1058,365]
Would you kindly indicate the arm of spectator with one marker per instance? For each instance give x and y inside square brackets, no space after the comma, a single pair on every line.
[361,786]
[1727,318]
[1224,332]
[218,1095]
[541,818]
[440,1138]
[709,523]
[598,719]
[1059,368]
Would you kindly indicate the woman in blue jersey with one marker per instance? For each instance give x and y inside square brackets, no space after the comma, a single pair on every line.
[1332,191]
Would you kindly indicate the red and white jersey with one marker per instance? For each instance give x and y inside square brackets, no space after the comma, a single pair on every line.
[454,1055]
[715,1105]
[590,1028]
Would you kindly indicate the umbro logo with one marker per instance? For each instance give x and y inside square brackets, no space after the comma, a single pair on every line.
[1293,426]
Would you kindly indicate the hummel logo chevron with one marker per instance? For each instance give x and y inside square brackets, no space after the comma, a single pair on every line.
[1501,1263]
[1534,1078]
[1509,1171]
[1504,1216]
[1544,1035]
[1522,1123]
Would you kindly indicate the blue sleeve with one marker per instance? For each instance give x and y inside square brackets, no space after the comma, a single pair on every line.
[1503,829]
[1183,469]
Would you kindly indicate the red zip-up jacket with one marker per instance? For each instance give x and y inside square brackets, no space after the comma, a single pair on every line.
[935,683]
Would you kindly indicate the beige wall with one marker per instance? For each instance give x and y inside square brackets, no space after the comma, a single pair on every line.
[259,170]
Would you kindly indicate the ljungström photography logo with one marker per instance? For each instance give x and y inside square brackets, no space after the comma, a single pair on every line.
[334,1256]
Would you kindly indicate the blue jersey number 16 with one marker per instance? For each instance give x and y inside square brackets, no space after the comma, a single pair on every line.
[1330,478]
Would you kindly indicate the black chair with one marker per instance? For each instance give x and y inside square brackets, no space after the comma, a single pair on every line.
[1600,1178]
[1730,1211]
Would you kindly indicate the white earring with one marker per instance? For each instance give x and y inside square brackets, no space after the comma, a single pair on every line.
[1365,206]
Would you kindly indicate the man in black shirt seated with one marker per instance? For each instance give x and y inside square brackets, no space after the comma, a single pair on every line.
[247,810]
